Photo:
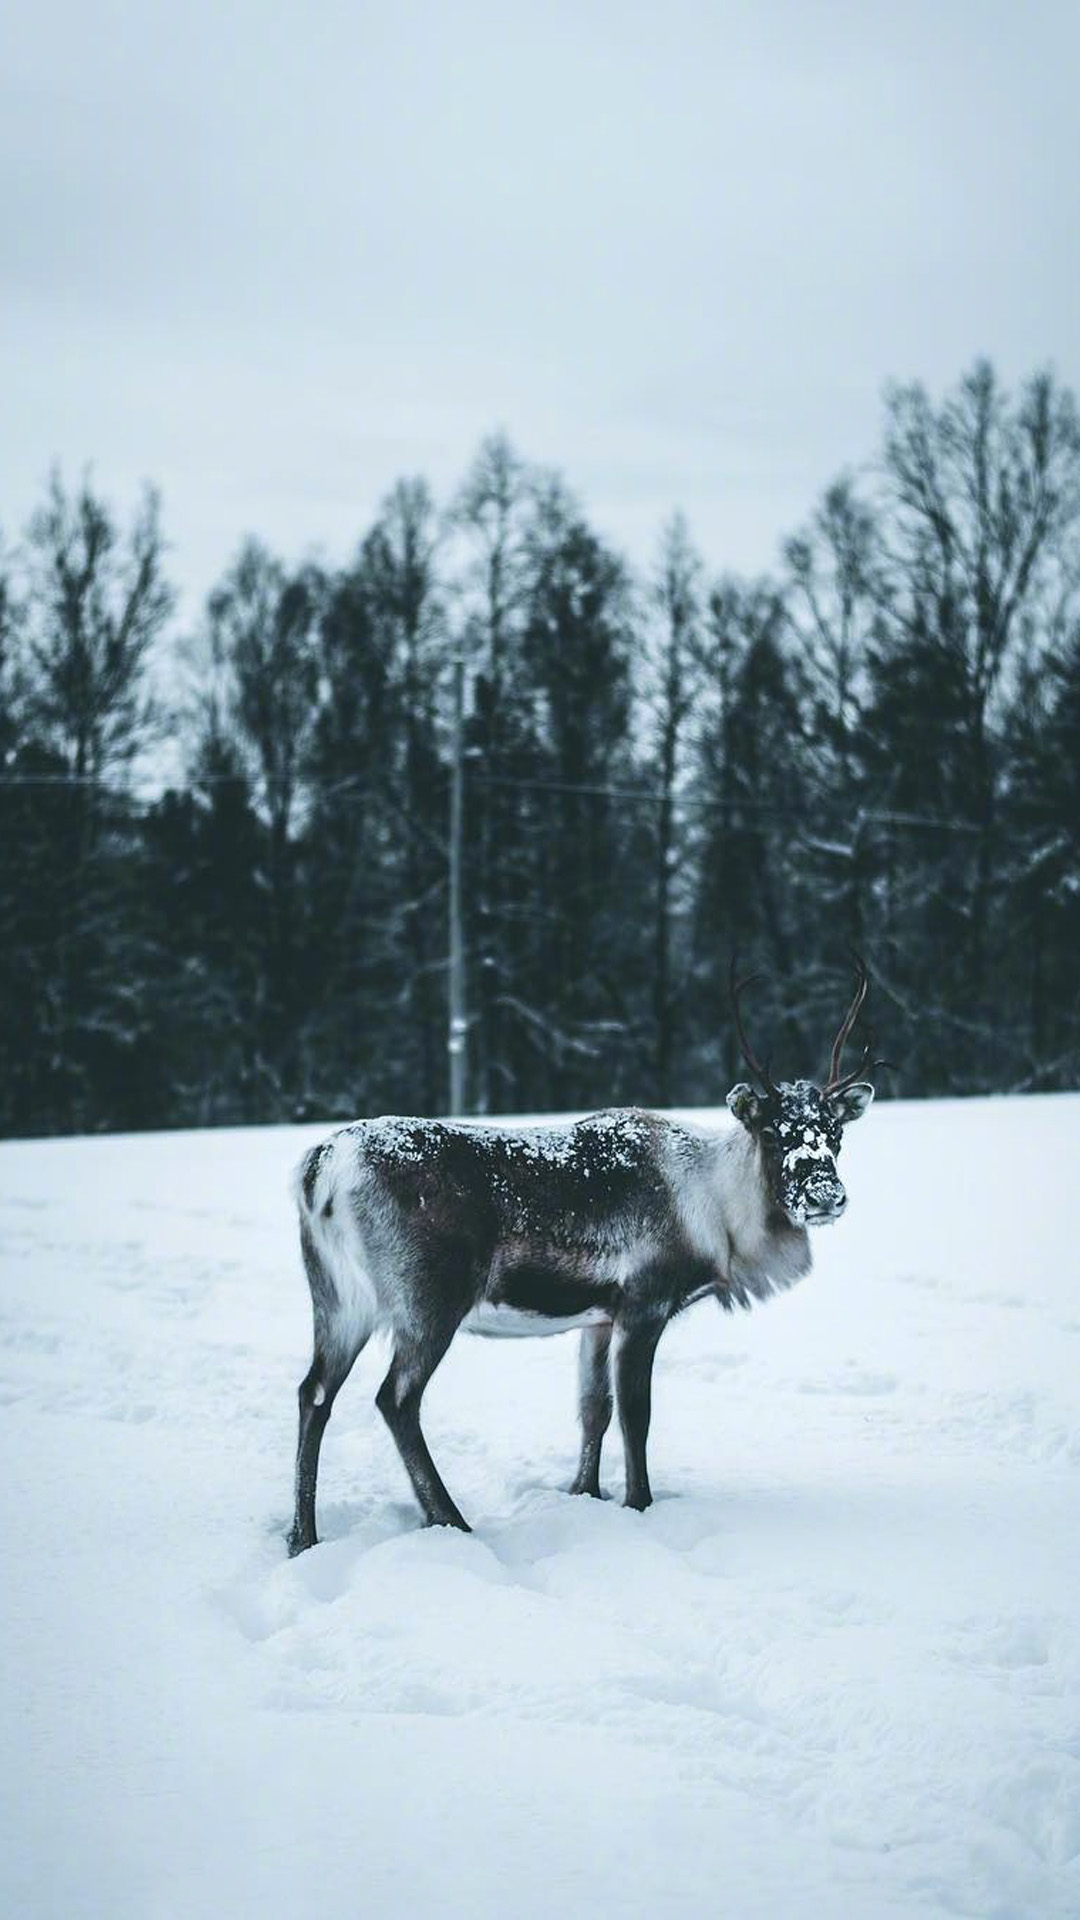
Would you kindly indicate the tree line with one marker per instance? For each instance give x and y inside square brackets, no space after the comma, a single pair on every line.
[876,747]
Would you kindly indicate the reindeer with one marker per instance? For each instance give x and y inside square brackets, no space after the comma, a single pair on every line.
[612,1224]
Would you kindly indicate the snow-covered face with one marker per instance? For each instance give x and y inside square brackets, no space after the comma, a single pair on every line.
[798,1130]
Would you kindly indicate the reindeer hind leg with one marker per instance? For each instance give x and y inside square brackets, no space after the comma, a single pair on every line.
[337,1344]
[417,1353]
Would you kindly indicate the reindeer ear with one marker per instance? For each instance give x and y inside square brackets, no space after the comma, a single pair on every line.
[745,1104]
[852,1103]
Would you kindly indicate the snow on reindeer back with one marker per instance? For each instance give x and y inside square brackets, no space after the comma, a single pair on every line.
[535,1173]
[622,1135]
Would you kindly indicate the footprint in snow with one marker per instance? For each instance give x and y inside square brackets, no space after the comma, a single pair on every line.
[999,1300]
[709,1366]
[1040,1802]
[1007,1645]
[859,1382]
[133,1413]
[30,1340]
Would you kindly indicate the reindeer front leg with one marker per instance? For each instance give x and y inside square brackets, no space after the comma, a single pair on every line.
[594,1405]
[634,1354]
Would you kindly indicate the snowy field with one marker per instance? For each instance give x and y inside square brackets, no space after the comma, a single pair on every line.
[835,1671]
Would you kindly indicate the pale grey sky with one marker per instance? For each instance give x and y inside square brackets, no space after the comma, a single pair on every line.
[273,255]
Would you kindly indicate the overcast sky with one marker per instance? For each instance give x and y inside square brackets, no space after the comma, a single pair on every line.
[272,256]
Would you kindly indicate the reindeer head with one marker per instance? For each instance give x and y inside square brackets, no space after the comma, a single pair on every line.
[798,1126]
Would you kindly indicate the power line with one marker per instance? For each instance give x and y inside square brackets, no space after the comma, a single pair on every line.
[344,784]
[654,795]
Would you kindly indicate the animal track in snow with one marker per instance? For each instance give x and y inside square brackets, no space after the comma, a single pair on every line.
[1040,1803]
[1012,1644]
[136,1413]
[859,1381]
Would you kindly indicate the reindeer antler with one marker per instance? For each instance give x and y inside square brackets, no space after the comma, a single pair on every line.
[837,1081]
[737,987]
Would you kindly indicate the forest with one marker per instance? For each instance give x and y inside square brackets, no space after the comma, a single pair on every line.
[224,850]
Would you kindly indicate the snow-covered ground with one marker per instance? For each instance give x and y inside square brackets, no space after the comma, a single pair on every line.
[835,1671]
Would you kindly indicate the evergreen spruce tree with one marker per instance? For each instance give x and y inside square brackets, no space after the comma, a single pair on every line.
[96,600]
[261,624]
[577,650]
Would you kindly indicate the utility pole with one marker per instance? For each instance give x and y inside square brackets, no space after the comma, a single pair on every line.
[458,1027]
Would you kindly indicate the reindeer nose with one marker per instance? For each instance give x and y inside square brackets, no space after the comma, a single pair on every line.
[829,1205]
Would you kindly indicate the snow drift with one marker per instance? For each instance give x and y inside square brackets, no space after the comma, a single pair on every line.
[833,1671]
